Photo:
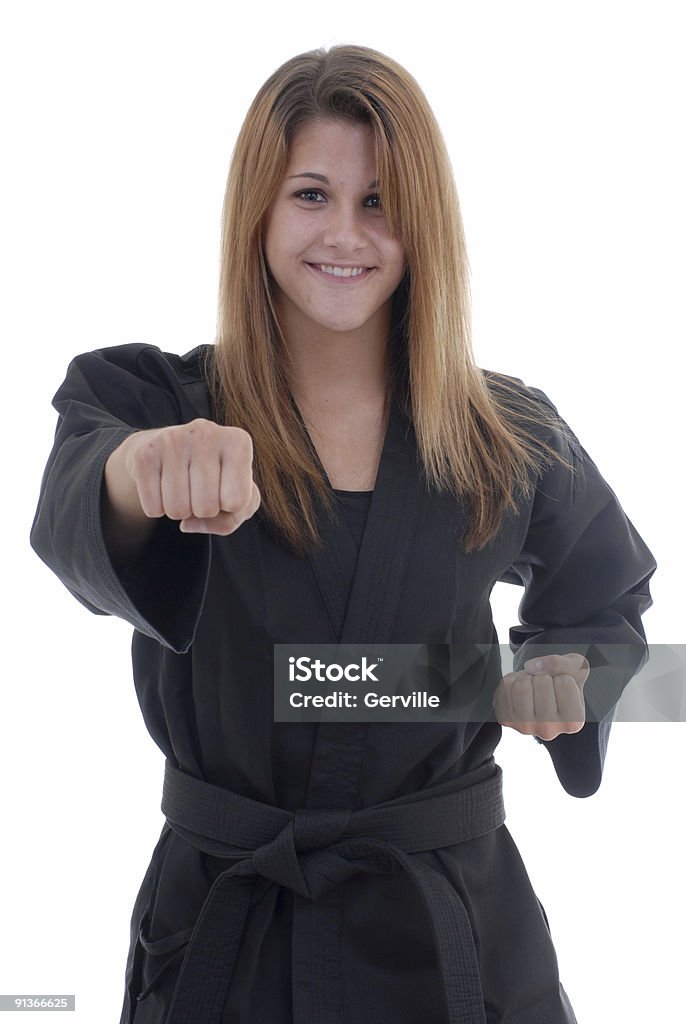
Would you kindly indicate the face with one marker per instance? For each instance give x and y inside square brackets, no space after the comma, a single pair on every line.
[326,242]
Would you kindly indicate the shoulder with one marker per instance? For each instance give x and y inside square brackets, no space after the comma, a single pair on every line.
[140,382]
[504,384]
[530,412]
[145,360]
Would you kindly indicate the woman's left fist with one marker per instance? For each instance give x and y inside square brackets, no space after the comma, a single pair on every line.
[545,699]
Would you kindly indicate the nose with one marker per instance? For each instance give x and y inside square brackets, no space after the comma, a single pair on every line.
[344,230]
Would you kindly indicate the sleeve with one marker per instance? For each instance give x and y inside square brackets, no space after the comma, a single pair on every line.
[106,396]
[585,572]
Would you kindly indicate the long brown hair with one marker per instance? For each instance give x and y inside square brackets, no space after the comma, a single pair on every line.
[471,436]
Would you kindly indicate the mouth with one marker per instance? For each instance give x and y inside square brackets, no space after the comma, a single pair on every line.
[331,272]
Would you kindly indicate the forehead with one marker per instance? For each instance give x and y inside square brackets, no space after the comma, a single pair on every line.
[334,144]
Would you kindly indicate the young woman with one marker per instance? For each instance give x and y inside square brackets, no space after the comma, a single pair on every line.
[336,469]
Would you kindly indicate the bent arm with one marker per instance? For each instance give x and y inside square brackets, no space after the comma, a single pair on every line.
[586,574]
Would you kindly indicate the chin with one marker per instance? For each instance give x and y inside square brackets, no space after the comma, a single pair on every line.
[347,329]
[345,324]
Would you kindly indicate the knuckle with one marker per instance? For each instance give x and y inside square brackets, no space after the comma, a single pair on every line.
[198,426]
[205,509]
[150,506]
[145,456]
[236,492]
[177,509]
[227,496]
[239,445]
[188,434]
[244,439]
[188,437]
[521,682]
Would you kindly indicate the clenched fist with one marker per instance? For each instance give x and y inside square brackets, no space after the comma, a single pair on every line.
[545,700]
[199,473]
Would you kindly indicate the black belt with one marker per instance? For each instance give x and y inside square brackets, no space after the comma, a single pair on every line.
[312,851]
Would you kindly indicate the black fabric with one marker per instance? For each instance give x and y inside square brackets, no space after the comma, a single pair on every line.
[311,852]
[355,505]
[206,613]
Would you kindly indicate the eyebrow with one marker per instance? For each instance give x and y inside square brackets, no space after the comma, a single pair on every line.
[320,177]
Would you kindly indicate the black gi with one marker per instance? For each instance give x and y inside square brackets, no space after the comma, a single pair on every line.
[280,889]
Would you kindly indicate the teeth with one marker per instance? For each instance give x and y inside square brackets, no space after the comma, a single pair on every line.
[341,271]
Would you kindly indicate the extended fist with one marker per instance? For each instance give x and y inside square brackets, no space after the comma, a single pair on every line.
[547,698]
[199,473]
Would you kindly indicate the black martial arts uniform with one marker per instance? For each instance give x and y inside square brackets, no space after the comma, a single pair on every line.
[280,890]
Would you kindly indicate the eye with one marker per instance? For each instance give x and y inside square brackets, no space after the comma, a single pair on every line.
[310,195]
[373,201]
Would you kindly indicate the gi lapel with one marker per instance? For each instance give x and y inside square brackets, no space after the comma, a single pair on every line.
[362,592]
[362,595]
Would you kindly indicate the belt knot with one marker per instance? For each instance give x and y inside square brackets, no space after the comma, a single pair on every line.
[300,856]
[311,851]
[315,828]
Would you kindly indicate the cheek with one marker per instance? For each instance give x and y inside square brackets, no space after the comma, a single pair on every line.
[282,247]
[271,242]
[394,253]
[276,236]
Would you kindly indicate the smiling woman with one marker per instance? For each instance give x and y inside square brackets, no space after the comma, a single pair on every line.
[318,240]
[335,268]
[341,871]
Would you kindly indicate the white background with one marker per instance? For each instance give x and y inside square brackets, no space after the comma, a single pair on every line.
[564,125]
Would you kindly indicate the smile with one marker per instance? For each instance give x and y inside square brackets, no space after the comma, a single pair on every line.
[344,273]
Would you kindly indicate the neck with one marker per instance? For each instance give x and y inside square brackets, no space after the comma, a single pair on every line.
[333,370]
